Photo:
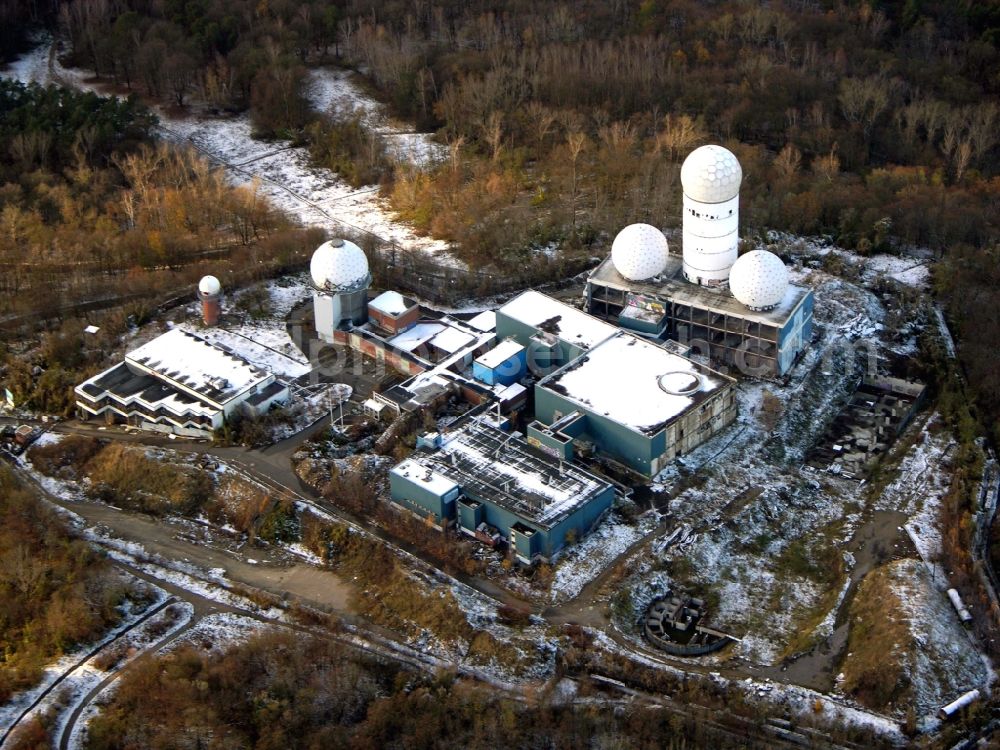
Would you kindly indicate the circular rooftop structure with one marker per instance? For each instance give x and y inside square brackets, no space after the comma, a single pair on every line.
[639,252]
[209,285]
[339,266]
[759,280]
[680,382]
[711,174]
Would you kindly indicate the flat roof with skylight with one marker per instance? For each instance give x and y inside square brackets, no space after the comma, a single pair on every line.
[635,383]
[492,465]
[558,319]
[191,363]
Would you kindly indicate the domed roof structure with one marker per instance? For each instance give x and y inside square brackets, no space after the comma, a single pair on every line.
[639,252]
[711,174]
[759,280]
[209,285]
[339,265]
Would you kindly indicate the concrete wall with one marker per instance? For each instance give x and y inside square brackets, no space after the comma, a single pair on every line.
[326,310]
[630,448]
[421,501]
[646,454]
[551,443]
[507,372]
[394,323]
[537,361]
[545,542]
[580,523]
[377,350]
[281,397]
[795,335]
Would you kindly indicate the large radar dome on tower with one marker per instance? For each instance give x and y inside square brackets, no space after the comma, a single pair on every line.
[759,280]
[711,178]
[339,265]
[639,252]
[711,174]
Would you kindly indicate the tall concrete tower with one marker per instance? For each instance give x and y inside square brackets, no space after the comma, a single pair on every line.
[711,178]
[210,294]
[340,279]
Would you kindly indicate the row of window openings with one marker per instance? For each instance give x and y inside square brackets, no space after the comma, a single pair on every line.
[146,412]
[695,213]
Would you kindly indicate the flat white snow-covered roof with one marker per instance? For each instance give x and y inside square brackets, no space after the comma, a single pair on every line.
[510,392]
[552,316]
[414,337]
[502,468]
[621,379]
[187,360]
[485,321]
[450,340]
[425,477]
[391,303]
[500,354]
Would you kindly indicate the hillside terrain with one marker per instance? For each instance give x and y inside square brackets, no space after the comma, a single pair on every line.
[257,586]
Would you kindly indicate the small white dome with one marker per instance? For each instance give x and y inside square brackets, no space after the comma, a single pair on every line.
[639,252]
[337,265]
[209,285]
[711,174]
[759,280]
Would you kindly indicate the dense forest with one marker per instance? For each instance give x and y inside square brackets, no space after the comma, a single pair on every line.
[94,210]
[875,123]
[282,690]
[56,591]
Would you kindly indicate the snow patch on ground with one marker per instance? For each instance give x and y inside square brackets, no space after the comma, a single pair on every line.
[78,680]
[48,438]
[217,632]
[277,170]
[941,661]
[919,488]
[334,91]
[911,269]
[130,647]
[585,561]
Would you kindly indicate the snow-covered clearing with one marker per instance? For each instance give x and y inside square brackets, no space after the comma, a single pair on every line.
[219,631]
[906,269]
[335,92]
[940,659]
[919,487]
[278,170]
[585,561]
[285,175]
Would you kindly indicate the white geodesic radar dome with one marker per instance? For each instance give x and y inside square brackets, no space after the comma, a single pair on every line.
[639,252]
[339,265]
[711,174]
[209,285]
[759,280]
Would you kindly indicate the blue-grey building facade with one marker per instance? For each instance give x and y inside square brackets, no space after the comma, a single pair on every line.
[488,483]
